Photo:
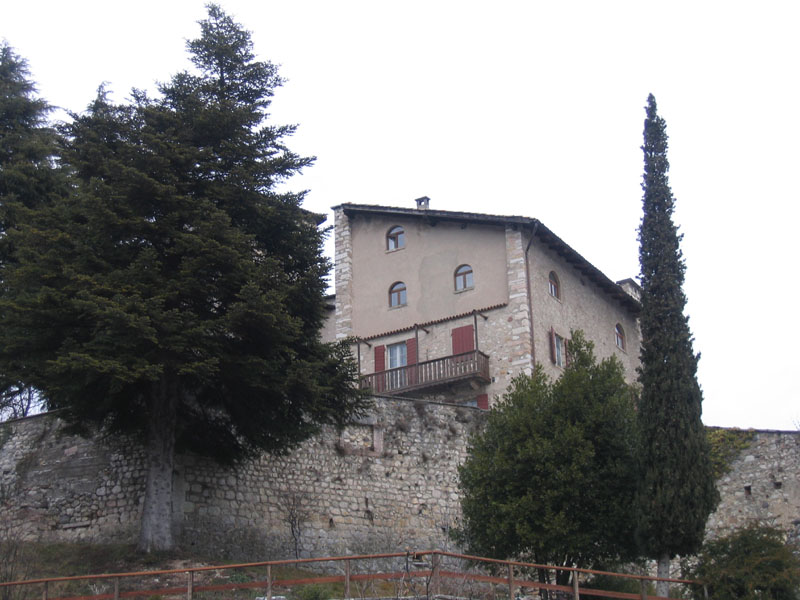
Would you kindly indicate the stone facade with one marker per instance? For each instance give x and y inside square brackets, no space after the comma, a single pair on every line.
[385,483]
[762,485]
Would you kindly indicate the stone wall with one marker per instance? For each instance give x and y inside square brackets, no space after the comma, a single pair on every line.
[385,483]
[763,485]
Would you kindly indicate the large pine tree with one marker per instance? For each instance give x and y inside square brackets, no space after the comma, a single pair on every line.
[676,488]
[29,177]
[177,294]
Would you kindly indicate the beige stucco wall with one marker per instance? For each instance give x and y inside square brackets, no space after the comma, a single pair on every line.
[582,306]
[426,265]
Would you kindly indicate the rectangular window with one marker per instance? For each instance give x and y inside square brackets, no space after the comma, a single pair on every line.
[558,349]
[559,341]
[398,355]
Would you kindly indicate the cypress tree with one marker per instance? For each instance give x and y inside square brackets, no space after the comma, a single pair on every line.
[676,489]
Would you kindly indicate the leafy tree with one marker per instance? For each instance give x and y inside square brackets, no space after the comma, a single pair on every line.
[753,563]
[176,294]
[676,489]
[29,177]
[551,476]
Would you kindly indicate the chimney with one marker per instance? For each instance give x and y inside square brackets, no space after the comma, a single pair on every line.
[422,203]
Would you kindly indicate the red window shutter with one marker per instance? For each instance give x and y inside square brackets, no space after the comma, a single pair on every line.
[411,351]
[380,358]
[411,359]
[553,345]
[463,339]
[483,401]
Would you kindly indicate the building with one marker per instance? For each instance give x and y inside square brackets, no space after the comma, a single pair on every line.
[451,305]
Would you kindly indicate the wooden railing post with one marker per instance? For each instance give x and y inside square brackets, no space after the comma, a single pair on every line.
[576,593]
[190,586]
[269,582]
[44,591]
[643,587]
[436,580]
[347,579]
[510,581]
[116,588]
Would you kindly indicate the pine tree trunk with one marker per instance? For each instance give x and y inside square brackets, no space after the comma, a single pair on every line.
[156,525]
[662,587]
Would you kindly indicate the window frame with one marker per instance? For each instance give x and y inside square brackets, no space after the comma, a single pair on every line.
[554,285]
[464,276]
[398,294]
[399,352]
[560,351]
[619,337]
[395,238]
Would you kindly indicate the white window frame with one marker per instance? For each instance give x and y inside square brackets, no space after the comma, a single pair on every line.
[560,351]
[397,355]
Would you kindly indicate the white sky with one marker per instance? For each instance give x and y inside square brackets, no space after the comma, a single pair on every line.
[522,108]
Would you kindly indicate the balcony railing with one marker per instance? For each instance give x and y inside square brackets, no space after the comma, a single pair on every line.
[436,372]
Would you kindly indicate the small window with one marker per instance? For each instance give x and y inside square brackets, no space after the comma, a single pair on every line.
[555,286]
[619,336]
[558,349]
[397,294]
[396,238]
[464,279]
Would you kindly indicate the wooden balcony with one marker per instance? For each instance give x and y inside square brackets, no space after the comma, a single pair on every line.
[431,373]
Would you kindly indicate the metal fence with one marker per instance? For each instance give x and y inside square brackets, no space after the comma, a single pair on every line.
[428,574]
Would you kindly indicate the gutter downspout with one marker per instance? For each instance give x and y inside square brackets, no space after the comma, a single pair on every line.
[528,292]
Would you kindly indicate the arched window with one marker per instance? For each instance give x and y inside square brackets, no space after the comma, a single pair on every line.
[555,286]
[463,278]
[396,238]
[619,336]
[397,294]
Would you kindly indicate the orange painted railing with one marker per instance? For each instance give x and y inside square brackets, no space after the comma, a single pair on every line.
[433,576]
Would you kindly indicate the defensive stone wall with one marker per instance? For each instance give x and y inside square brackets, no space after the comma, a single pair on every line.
[761,485]
[385,483]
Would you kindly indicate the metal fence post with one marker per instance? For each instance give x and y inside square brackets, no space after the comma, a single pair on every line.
[347,578]
[116,588]
[269,582]
[575,590]
[44,591]
[190,586]
[510,581]
[435,574]
[643,588]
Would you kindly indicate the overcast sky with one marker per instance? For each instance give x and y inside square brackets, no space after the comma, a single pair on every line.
[522,108]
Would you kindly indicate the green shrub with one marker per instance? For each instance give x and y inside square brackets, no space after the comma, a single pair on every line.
[753,563]
[313,592]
